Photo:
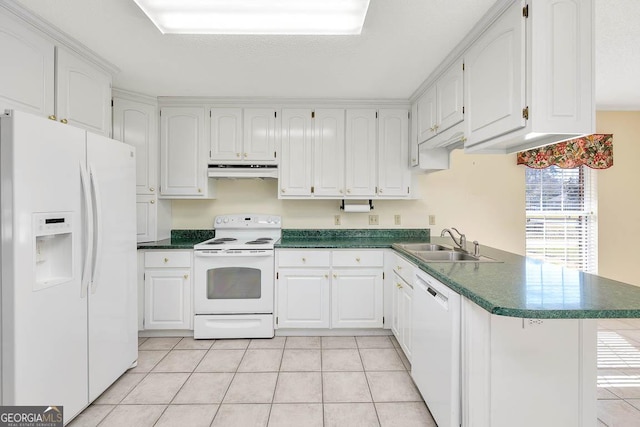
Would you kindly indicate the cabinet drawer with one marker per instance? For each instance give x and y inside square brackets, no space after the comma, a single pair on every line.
[303,258]
[357,258]
[167,259]
[404,269]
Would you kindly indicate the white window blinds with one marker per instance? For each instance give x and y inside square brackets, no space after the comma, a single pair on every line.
[561,216]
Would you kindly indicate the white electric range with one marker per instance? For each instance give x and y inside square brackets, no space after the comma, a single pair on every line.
[234,278]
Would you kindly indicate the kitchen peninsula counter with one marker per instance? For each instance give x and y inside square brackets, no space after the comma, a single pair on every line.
[515,286]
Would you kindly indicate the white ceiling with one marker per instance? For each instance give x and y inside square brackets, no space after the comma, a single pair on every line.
[401,43]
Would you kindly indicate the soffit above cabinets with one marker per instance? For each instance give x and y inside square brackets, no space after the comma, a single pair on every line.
[390,59]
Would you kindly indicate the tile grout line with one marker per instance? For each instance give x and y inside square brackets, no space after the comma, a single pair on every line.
[366,377]
[229,385]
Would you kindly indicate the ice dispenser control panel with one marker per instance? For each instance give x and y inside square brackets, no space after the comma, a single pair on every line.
[53,249]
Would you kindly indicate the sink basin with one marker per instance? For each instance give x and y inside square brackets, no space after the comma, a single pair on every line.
[422,247]
[450,256]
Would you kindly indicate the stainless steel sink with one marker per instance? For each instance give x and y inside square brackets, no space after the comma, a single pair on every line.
[422,247]
[450,256]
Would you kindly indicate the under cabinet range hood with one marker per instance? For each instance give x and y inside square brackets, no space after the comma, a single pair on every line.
[242,171]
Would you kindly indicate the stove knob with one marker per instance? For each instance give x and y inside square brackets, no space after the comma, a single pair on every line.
[226,220]
[276,220]
[269,220]
[218,220]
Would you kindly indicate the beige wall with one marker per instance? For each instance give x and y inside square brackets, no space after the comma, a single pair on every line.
[619,198]
[481,195]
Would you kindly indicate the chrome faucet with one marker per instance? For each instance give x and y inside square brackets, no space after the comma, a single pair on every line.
[461,243]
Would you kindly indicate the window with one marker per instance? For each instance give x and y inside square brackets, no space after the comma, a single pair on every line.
[561,216]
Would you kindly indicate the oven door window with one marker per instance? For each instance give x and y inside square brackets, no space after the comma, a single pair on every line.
[234,283]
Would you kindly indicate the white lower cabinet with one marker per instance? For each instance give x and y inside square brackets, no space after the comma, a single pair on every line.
[402,306]
[329,289]
[168,290]
[303,298]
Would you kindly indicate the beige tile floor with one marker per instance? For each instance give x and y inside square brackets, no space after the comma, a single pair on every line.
[292,381]
[619,372]
[313,381]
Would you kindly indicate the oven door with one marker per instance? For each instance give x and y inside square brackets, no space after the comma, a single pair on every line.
[238,282]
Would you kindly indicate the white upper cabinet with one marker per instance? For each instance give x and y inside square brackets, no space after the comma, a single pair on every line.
[27,68]
[427,121]
[413,135]
[495,78]
[295,171]
[83,93]
[243,136]
[328,152]
[360,153]
[259,135]
[226,134]
[440,108]
[136,123]
[393,142]
[183,166]
[529,77]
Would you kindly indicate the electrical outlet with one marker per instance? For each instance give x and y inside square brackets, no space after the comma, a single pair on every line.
[336,220]
[397,219]
[432,220]
[373,219]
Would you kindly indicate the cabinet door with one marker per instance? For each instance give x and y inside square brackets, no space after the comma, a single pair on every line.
[413,136]
[182,169]
[494,78]
[136,124]
[167,299]
[146,214]
[83,93]
[396,307]
[450,97]
[405,319]
[356,298]
[259,135]
[295,162]
[303,298]
[27,68]
[226,134]
[393,141]
[328,153]
[427,119]
[360,155]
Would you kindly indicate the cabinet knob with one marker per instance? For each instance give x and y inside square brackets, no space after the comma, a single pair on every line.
[282,190]
[432,128]
[380,190]
[341,191]
[413,160]
[52,117]
[437,127]
[245,155]
[152,189]
[304,259]
[464,139]
[335,276]
[357,259]
[398,285]
[399,267]
[186,276]
[348,191]
[199,190]
[326,276]
[166,260]
[64,121]
[152,202]
[237,154]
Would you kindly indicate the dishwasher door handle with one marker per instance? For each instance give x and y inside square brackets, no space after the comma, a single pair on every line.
[432,292]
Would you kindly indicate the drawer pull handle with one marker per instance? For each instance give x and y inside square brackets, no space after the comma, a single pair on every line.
[166,260]
[186,276]
[357,259]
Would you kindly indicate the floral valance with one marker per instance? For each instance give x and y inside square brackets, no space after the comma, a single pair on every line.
[594,151]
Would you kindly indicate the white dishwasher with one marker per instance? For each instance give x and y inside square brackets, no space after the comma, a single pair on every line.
[435,365]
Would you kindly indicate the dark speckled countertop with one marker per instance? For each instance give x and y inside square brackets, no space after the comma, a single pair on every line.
[516,286]
[180,239]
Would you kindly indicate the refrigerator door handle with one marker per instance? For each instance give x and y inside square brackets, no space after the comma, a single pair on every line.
[87,222]
[97,230]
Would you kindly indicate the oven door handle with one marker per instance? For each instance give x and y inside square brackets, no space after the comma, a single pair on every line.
[232,254]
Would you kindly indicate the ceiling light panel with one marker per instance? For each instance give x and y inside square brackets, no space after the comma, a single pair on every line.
[297,17]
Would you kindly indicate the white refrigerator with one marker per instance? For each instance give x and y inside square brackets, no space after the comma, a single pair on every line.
[68,248]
